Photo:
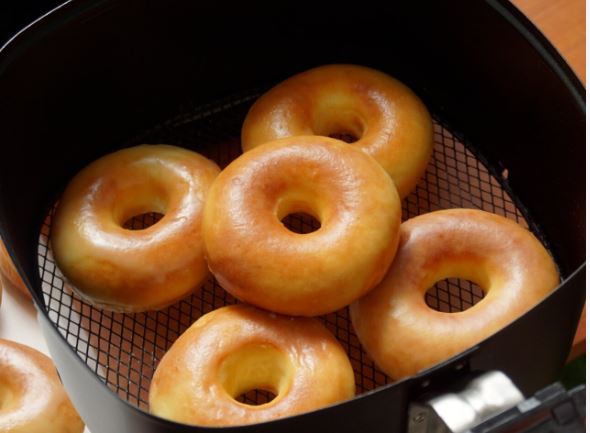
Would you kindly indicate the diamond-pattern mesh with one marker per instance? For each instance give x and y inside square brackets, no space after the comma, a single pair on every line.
[142,221]
[256,397]
[124,349]
[300,222]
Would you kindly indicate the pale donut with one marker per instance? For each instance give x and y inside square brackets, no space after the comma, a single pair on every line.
[32,398]
[403,335]
[9,277]
[238,348]
[391,123]
[134,270]
[257,259]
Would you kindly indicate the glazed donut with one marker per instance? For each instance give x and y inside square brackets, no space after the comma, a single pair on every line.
[32,398]
[403,335]
[238,348]
[388,120]
[9,277]
[257,259]
[134,270]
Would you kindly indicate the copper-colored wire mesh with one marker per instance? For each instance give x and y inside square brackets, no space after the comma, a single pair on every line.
[124,349]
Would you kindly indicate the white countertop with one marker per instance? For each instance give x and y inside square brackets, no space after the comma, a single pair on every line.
[18,322]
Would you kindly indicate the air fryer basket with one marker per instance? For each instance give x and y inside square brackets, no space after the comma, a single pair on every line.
[97,75]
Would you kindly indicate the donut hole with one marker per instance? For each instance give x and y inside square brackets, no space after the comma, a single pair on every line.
[346,136]
[453,295]
[298,213]
[341,124]
[140,204]
[255,374]
[142,221]
[256,397]
[301,223]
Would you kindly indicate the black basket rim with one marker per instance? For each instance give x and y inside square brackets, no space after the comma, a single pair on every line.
[71,9]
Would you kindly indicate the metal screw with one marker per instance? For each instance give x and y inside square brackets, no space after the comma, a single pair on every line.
[418,418]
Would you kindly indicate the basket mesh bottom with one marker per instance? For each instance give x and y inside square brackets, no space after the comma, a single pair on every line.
[124,349]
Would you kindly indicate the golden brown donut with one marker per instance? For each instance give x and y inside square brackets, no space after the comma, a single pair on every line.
[9,277]
[134,270]
[403,335]
[257,259]
[389,121]
[32,398]
[239,348]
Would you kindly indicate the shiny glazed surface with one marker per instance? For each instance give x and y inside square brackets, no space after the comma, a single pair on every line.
[398,329]
[257,259]
[32,398]
[9,277]
[238,348]
[389,121]
[134,270]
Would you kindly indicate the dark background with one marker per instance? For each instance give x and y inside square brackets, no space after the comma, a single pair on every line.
[16,14]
